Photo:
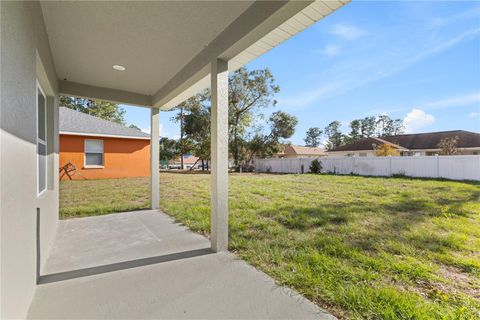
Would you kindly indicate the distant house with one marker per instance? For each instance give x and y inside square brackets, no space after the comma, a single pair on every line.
[292,151]
[93,148]
[188,162]
[419,144]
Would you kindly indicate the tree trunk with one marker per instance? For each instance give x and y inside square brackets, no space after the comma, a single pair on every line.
[203,165]
[235,142]
[191,168]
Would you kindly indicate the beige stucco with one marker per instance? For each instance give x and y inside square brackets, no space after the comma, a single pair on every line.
[25,57]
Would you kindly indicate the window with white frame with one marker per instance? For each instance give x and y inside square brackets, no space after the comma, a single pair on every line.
[93,153]
[41,141]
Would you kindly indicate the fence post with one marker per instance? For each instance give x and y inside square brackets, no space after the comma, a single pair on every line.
[390,166]
[354,170]
[438,165]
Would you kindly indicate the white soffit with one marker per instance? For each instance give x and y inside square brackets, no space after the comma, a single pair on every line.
[151,39]
[166,47]
[314,12]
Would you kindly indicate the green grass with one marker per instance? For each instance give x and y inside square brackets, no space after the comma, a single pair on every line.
[360,247]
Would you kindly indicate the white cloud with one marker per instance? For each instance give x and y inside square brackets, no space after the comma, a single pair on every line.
[347,32]
[456,101]
[329,50]
[474,114]
[147,130]
[417,119]
[353,73]
[459,100]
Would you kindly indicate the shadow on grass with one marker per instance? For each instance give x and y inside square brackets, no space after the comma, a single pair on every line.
[383,221]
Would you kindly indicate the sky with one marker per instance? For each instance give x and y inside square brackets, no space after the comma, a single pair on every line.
[414,60]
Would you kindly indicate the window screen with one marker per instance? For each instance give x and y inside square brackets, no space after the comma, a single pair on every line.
[93,152]
[41,142]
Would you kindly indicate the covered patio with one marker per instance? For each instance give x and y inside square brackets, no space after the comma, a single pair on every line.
[152,54]
[141,265]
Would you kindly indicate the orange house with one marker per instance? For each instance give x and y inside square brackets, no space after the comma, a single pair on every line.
[93,148]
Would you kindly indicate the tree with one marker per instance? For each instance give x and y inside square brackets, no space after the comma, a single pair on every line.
[315,166]
[312,138]
[334,136]
[398,127]
[448,145]
[371,126]
[180,117]
[385,150]
[98,108]
[197,125]
[169,149]
[249,92]
[132,126]
[387,126]
[356,131]
[282,126]
[367,127]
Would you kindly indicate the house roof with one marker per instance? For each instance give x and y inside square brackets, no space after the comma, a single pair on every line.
[78,123]
[187,159]
[300,150]
[429,140]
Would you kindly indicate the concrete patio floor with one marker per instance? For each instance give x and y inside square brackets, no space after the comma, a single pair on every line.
[142,265]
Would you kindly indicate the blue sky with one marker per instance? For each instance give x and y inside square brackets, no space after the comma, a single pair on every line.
[419,61]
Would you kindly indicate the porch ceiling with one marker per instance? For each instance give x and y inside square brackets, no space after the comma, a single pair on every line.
[165,46]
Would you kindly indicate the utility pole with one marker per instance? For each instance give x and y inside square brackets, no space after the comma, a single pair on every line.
[181,137]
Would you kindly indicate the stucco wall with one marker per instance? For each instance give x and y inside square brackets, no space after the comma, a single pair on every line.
[25,57]
[122,157]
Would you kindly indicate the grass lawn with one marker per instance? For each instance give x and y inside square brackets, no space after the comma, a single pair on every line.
[362,248]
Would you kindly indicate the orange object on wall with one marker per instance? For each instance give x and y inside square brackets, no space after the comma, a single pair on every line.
[123,157]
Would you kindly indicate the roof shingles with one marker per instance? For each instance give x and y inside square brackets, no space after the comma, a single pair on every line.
[75,122]
[430,140]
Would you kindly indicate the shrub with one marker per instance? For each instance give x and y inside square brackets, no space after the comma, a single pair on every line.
[315,166]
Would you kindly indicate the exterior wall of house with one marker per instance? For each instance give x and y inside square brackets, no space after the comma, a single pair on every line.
[361,153]
[122,157]
[25,59]
[294,156]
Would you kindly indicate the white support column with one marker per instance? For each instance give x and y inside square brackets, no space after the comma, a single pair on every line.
[154,159]
[219,155]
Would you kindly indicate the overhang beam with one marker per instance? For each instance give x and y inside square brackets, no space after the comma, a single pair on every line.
[113,95]
[258,20]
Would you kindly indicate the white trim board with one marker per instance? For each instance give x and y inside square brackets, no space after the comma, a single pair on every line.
[68,133]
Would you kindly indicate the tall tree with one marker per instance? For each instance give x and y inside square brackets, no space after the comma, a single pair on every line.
[249,92]
[312,138]
[387,126]
[355,131]
[367,127]
[98,108]
[282,126]
[197,125]
[397,127]
[384,125]
[180,117]
[333,134]
[169,149]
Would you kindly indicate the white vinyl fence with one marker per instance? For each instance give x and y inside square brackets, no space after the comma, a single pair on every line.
[448,167]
